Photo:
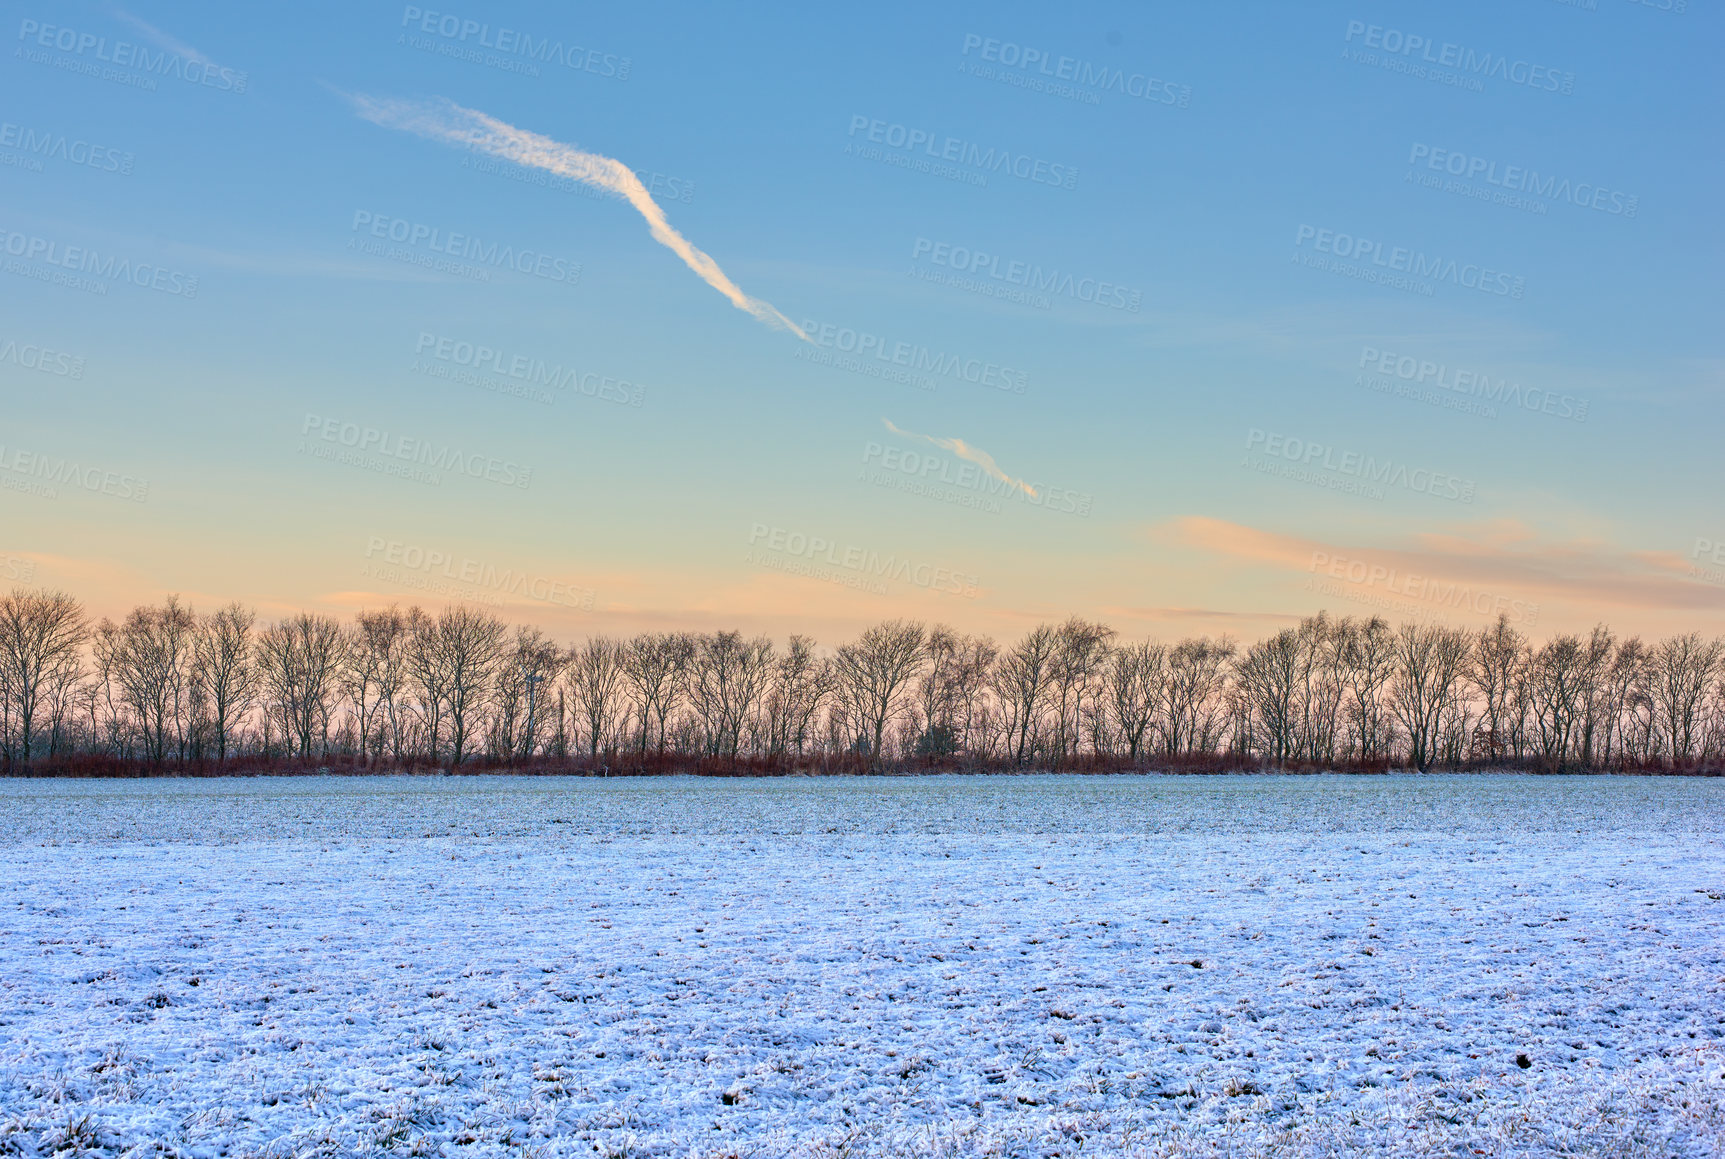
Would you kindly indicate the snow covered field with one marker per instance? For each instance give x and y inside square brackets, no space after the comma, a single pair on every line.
[1015,966]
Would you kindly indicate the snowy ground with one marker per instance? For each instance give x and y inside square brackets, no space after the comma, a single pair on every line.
[1013,966]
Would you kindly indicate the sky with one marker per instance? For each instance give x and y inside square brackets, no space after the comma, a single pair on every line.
[792,318]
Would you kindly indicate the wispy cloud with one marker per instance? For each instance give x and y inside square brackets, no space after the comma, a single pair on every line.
[161,39]
[446,121]
[1501,552]
[965,451]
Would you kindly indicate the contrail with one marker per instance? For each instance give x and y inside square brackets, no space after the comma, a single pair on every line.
[965,451]
[444,120]
[162,39]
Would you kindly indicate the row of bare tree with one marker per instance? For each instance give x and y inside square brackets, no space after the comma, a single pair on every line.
[169,687]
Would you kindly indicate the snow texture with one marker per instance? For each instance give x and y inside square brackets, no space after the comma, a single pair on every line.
[1028,966]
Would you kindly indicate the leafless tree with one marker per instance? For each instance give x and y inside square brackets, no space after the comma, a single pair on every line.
[1324,648]
[936,689]
[374,678]
[973,660]
[1369,658]
[469,648]
[802,683]
[1497,665]
[300,662]
[1194,708]
[594,677]
[1075,680]
[1554,678]
[1136,674]
[1269,677]
[223,673]
[1429,661]
[105,696]
[1681,672]
[42,634]
[152,665]
[655,670]
[1595,702]
[1628,711]
[876,675]
[166,685]
[521,701]
[1020,683]
[729,675]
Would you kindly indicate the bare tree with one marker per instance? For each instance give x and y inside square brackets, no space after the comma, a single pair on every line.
[728,677]
[525,675]
[1075,680]
[1369,658]
[105,699]
[1429,661]
[876,675]
[1194,708]
[1495,668]
[802,683]
[1681,671]
[300,661]
[1020,683]
[373,680]
[427,682]
[1596,701]
[1554,681]
[1324,650]
[973,661]
[42,634]
[1627,712]
[594,677]
[937,694]
[655,669]
[470,648]
[152,663]
[1269,677]
[1136,674]
[223,672]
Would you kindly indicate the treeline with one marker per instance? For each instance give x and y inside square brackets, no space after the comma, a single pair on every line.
[170,690]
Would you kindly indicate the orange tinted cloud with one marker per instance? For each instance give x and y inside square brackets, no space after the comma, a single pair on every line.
[1505,554]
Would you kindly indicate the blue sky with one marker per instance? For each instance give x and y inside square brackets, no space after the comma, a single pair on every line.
[1208,426]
